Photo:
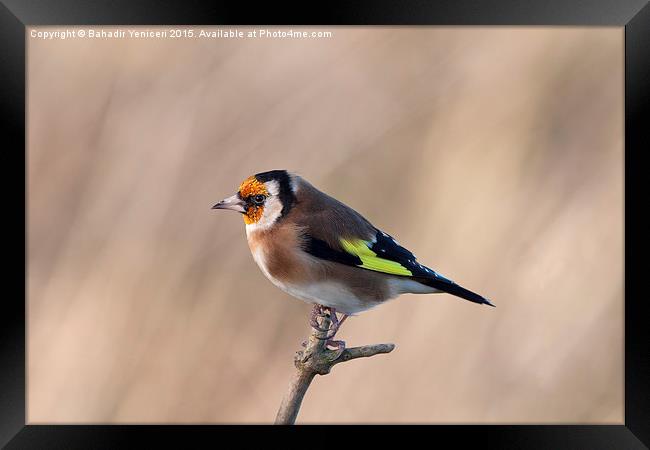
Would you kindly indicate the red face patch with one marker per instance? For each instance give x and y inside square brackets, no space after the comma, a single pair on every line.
[251,186]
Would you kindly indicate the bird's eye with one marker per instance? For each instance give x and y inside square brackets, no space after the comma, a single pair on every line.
[258,199]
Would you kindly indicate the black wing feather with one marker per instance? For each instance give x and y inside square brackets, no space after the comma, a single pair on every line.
[320,249]
[386,247]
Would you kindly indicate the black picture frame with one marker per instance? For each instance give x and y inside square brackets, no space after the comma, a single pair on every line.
[634,15]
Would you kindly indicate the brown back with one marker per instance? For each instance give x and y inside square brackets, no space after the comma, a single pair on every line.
[325,218]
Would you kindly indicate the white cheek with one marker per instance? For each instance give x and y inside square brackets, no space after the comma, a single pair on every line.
[272,210]
[272,187]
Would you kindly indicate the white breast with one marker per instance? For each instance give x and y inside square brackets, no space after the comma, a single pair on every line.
[260,259]
[332,294]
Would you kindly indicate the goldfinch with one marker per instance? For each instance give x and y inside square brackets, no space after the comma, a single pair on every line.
[321,251]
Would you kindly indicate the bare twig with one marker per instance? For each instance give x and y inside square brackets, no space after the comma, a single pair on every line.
[317,359]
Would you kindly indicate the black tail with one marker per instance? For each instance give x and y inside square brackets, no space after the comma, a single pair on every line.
[452,288]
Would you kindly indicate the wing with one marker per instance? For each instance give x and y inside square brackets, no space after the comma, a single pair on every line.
[383,254]
[348,238]
[335,232]
[380,253]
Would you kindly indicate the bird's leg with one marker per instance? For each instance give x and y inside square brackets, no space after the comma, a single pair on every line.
[335,323]
[316,312]
[334,328]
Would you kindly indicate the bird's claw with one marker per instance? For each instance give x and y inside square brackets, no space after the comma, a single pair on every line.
[316,312]
[338,345]
[338,348]
[316,326]
[335,323]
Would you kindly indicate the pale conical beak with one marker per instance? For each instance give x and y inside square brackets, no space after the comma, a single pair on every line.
[234,203]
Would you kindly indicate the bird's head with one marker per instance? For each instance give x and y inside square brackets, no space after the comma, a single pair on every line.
[263,198]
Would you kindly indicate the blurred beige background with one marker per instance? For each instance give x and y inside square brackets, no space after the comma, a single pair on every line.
[495,154]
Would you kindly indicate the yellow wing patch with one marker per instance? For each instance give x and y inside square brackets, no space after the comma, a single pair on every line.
[370,260]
